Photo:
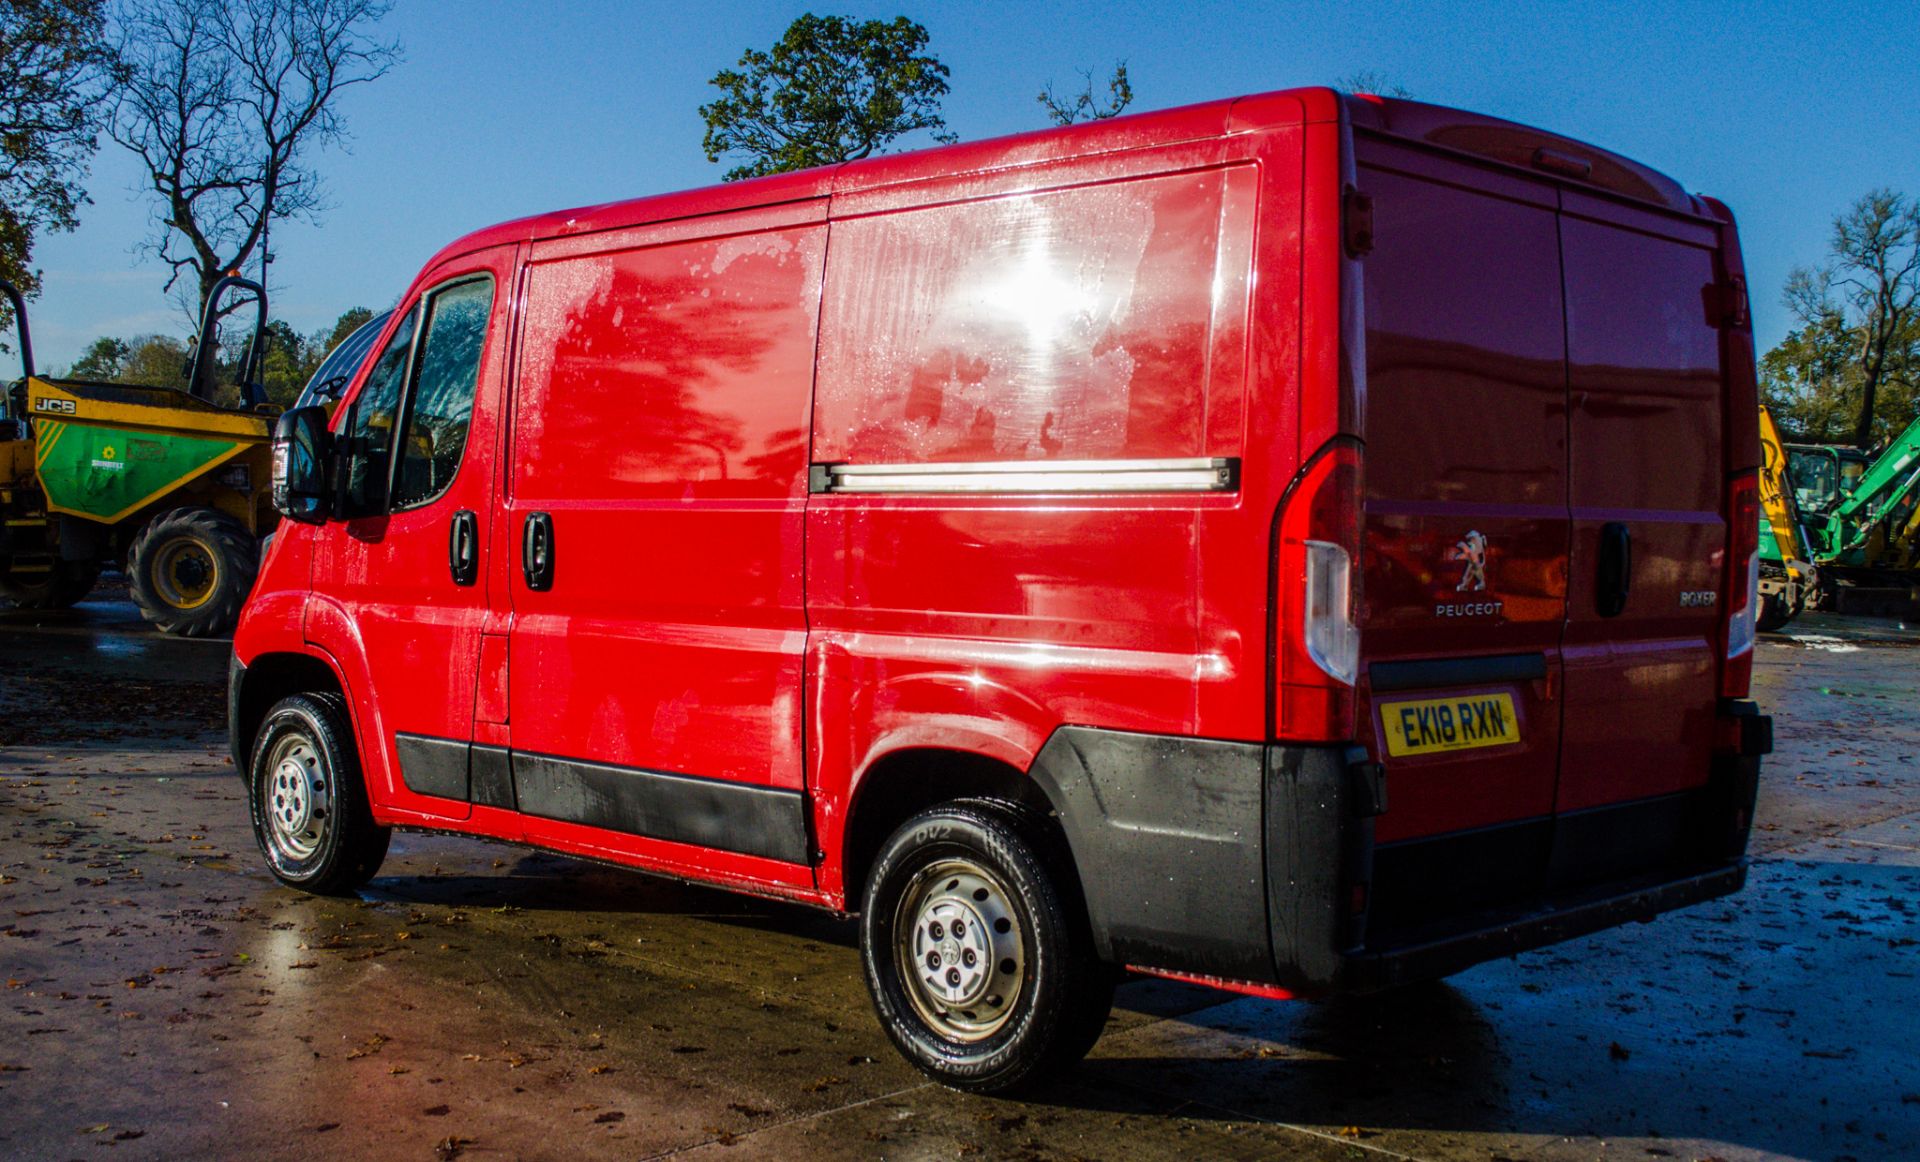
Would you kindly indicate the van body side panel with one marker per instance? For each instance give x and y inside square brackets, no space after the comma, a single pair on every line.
[386,605]
[1647,458]
[1466,494]
[1082,325]
[660,426]
[1258,382]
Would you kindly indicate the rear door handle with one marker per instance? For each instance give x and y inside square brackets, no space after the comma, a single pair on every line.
[536,551]
[1615,580]
[463,548]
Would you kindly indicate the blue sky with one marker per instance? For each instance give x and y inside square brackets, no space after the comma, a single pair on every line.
[1785,111]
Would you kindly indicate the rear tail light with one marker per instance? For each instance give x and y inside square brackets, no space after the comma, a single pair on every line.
[1316,598]
[1743,582]
[1332,639]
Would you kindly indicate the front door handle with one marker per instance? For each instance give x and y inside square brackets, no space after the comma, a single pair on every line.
[463,548]
[1615,578]
[536,551]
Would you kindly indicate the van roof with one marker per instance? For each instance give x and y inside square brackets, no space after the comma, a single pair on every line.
[1435,126]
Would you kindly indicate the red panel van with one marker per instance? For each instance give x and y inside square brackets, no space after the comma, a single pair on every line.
[1298,543]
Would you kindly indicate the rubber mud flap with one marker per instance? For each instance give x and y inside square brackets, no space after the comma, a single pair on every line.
[1313,844]
[1166,834]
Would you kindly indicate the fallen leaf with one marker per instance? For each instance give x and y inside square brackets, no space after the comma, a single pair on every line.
[609,1117]
[451,1147]
[370,1046]
[437,1111]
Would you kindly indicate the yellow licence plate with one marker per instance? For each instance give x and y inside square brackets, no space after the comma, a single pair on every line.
[1462,722]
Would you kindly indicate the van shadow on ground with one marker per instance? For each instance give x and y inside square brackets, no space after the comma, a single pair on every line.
[1779,1021]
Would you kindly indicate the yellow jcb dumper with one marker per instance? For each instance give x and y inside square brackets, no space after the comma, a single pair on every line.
[166,483]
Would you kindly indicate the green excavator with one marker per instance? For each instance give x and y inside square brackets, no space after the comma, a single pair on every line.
[1860,513]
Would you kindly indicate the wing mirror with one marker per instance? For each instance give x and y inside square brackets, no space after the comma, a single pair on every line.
[300,444]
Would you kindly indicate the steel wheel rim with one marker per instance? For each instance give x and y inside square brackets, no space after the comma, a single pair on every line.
[185,572]
[296,799]
[959,949]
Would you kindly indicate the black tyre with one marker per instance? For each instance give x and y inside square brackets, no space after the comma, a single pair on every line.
[308,801]
[67,584]
[191,569]
[1775,611]
[977,951]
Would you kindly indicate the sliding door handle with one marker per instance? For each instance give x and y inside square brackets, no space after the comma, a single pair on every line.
[536,551]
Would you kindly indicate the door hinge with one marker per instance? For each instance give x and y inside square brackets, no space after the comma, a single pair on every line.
[1356,222]
[1727,304]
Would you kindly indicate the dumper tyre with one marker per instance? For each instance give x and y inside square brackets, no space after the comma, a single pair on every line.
[1774,613]
[67,585]
[308,799]
[977,951]
[191,569]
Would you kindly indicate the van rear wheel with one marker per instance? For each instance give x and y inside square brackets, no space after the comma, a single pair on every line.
[191,569]
[977,952]
[307,800]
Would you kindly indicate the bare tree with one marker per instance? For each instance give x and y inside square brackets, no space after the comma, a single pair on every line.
[224,102]
[1373,81]
[1868,291]
[1085,105]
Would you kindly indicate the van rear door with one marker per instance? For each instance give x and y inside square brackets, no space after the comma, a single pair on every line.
[1648,476]
[1466,521]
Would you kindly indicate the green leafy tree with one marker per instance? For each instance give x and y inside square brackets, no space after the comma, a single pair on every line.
[349,322]
[1085,105]
[286,362]
[54,67]
[830,90]
[103,361]
[1850,371]
[155,360]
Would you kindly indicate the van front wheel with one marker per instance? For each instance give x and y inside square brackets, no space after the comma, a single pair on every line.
[976,951]
[308,803]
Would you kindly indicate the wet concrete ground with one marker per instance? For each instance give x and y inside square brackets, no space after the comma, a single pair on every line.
[164,998]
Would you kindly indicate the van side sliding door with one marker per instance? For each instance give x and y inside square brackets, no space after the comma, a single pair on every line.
[654,522]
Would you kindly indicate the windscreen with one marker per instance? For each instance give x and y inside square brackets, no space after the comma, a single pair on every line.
[337,369]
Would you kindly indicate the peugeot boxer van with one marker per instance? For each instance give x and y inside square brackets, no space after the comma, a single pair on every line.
[1300,543]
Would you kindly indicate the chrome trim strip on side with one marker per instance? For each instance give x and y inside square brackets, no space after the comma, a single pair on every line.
[1195,474]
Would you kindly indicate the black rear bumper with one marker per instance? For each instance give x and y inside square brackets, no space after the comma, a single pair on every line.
[1255,863]
[1368,971]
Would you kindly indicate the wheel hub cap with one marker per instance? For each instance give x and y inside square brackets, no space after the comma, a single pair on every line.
[297,800]
[959,949]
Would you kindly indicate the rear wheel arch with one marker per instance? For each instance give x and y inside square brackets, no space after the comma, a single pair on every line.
[900,784]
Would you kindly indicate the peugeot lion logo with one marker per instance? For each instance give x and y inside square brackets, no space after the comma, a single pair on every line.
[1472,549]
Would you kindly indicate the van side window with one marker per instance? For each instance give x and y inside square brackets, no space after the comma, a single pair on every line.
[1090,323]
[443,387]
[375,410]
